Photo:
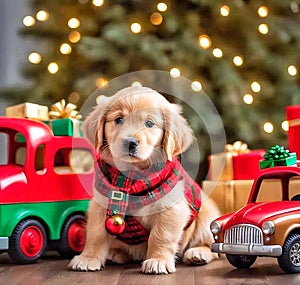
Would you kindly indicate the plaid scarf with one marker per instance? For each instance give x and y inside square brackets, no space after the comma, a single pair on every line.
[130,191]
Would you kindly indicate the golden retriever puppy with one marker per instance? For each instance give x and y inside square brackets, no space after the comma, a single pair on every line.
[145,206]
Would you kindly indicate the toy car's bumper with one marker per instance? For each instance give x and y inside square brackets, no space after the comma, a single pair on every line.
[3,243]
[263,250]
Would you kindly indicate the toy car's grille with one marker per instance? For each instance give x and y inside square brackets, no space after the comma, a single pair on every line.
[243,234]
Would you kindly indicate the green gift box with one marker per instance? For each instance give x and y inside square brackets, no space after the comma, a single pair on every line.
[65,127]
[278,156]
[20,138]
[278,162]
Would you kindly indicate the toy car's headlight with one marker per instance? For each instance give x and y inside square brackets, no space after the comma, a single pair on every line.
[215,227]
[268,227]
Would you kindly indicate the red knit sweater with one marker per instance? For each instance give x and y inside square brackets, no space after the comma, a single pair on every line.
[141,189]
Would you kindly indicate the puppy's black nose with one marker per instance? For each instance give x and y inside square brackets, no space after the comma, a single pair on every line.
[130,144]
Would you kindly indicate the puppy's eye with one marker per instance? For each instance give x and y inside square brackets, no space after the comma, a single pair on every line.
[149,124]
[119,120]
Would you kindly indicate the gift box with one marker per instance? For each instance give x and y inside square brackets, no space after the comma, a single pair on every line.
[220,166]
[65,119]
[246,165]
[293,118]
[65,127]
[278,156]
[236,163]
[28,110]
[60,127]
[20,138]
[230,196]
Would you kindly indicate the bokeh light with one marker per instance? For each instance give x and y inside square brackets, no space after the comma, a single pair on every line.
[28,21]
[73,23]
[204,41]
[175,72]
[248,99]
[53,67]
[268,127]
[34,58]
[136,28]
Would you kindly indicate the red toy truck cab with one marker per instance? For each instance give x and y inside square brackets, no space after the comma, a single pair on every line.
[269,225]
[45,187]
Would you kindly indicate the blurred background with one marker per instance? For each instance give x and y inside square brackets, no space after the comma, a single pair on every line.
[244,54]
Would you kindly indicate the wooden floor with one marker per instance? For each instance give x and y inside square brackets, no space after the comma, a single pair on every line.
[52,270]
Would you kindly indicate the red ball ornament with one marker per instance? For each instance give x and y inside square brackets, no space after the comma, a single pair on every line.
[115,224]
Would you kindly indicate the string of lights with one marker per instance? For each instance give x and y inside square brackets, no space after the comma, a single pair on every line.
[156,18]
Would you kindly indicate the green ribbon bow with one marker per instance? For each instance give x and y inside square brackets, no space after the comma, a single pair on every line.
[277,152]
[278,156]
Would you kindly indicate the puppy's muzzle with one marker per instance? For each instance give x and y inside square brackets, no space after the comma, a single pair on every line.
[130,146]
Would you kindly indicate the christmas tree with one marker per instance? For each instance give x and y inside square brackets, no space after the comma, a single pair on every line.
[244,54]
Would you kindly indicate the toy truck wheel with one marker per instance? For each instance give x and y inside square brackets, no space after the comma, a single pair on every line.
[72,236]
[241,261]
[289,261]
[28,242]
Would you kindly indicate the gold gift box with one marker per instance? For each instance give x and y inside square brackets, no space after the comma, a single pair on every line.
[220,166]
[232,195]
[28,110]
[228,195]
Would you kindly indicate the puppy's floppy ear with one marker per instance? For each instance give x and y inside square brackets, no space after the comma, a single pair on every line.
[178,135]
[93,126]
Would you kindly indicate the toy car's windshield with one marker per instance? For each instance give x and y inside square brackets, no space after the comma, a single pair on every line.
[294,189]
[3,148]
[272,190]
[12,147]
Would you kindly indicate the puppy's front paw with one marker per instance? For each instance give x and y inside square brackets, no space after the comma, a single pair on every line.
[158,266]
[198,255]
[85,263]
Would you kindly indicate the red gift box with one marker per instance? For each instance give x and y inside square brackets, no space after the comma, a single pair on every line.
[293,117]
[246,165]
[236,163]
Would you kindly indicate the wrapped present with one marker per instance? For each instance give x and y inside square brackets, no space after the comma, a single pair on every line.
[278,156]
[28,110]
[228,195]
[20,138]
[293,118]
[246,165]
[237,162]
[65,127]
[65,119]
[220,166]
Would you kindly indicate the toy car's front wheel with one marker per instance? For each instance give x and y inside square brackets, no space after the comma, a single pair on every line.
[241,261]
[72,236]
[289,261]
[28,241]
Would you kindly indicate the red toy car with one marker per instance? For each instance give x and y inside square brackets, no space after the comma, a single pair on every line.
[269,225]
[44,190]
